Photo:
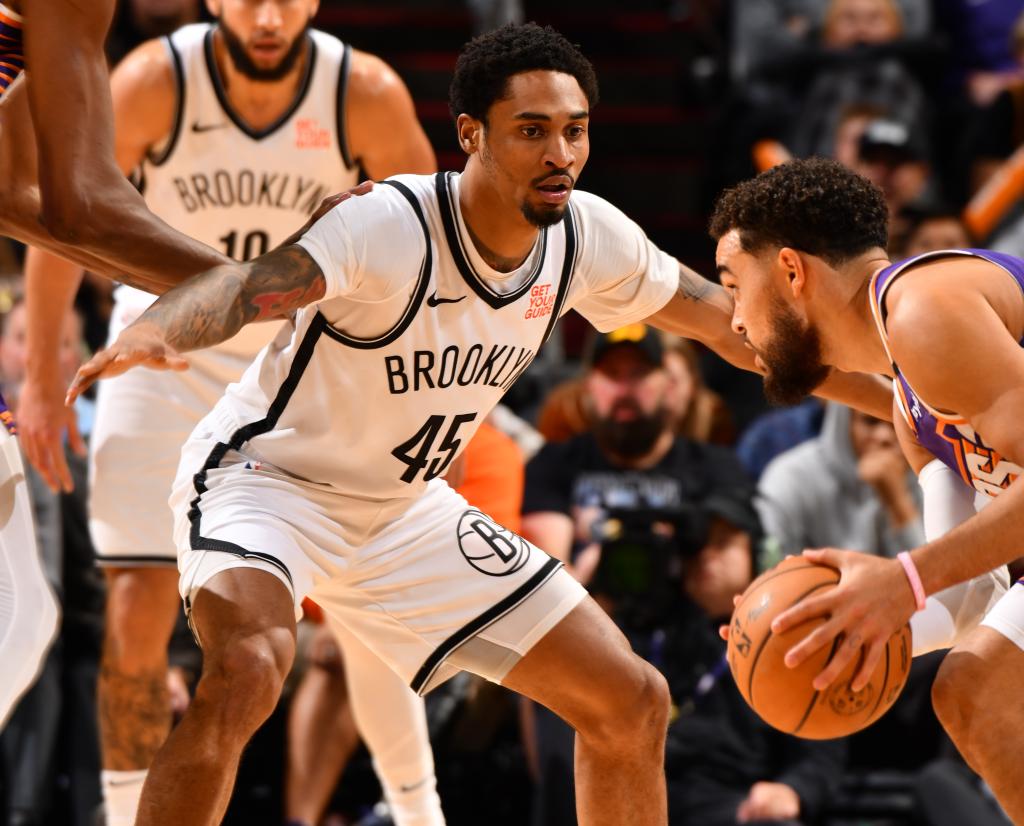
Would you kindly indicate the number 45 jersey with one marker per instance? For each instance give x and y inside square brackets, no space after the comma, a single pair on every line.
[385,380]
[243,190]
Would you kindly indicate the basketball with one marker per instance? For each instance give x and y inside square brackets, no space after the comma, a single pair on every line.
[784,697]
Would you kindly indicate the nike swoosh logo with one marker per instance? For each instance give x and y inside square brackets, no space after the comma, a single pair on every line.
[207,127]
[434,301]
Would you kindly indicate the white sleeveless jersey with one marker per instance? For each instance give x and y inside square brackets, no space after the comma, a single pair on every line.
[240,190]
[387,378]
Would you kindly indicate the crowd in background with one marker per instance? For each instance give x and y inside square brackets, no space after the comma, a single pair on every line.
[657,486]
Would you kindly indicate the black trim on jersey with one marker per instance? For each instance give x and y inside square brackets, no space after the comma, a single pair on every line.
[225,104]
[179,107]
[197,541]
[417,296]
[447,206]
[568,268]
[474,627]
[343,73]
[134,561]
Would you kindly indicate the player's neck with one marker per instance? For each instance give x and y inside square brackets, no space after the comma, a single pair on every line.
[258,103]
[499,231]
[852,342]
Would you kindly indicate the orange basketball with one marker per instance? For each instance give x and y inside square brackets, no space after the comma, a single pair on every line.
[784,697]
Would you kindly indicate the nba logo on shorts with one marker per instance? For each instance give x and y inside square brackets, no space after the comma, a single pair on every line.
[490,548]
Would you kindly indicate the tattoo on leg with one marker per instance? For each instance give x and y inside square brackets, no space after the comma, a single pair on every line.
[135,717]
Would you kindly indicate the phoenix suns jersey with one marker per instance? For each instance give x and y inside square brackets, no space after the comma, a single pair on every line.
[238,189]
[947,436]
[386,378]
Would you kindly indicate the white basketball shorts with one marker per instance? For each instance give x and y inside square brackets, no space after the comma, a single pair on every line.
[433,586]
[28,607]
[143,417]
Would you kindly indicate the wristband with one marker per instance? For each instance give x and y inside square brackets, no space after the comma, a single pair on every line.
[910,569]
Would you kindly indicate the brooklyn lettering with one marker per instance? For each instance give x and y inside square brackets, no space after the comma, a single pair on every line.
[223,190]
[454,366]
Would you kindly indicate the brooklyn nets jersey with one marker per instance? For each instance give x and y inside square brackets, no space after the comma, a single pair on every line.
[386,379]
[240,190]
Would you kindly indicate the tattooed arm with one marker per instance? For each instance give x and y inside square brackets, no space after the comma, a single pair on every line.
[702,310]
[207,310]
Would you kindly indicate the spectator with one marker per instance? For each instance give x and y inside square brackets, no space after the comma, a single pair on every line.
[777,431]
[926,230]
[695,411]
[848,488]
[624,503]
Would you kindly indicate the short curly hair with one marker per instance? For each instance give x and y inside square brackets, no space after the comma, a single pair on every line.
[487,62]
[815,205]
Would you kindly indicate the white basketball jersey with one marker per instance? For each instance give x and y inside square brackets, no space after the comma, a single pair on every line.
[385,380]
[241,190]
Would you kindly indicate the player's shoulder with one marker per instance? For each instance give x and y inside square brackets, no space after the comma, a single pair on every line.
[370,77]
[146,78]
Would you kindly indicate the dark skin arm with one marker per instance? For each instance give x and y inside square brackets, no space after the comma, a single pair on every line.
[209,309]
[86,203]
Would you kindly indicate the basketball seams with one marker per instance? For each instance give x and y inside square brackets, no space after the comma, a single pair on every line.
[770,634]
[816,694]
[768,577]
[885,679]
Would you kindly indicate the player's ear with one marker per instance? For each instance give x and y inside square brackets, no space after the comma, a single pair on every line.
[794,270]
[470,130]
[213,7]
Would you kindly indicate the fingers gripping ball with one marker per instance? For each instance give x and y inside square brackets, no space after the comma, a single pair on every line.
[784,697]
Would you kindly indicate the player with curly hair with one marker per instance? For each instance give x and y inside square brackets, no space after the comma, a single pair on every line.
[801,250]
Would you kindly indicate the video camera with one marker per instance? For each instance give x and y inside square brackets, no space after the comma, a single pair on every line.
[642,556]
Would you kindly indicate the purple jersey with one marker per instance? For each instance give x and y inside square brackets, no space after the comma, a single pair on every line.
[12,47]
[948,436]
[7,418]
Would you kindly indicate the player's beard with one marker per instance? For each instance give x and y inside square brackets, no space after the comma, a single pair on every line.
[792,358]
[544,217]
[245,65]
[634,438]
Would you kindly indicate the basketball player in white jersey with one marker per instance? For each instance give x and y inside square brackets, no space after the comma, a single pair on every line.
[236,132]
[416,305]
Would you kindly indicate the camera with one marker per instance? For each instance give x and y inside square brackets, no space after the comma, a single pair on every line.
[642,556]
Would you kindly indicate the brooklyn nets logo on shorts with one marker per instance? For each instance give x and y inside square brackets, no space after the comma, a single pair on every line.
[490,548]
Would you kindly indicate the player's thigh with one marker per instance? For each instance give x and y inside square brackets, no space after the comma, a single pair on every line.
[584,670]
[244,620]
[143,606]
[986,668]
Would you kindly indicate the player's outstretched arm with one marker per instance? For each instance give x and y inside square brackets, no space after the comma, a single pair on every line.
[702,310]
[86,201]
[206,311]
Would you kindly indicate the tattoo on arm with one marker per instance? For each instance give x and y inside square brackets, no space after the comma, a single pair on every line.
[216,304]
[692,285]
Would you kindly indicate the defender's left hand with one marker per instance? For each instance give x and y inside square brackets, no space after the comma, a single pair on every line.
[872,601]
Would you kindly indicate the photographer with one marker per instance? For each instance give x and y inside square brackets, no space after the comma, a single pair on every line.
[644,518]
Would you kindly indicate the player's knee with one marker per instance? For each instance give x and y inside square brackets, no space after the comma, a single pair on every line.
[633,714]
[244,679]
[955,697]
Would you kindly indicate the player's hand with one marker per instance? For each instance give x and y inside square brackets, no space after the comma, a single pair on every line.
[140,344]
[326,205]
[42,421]
[872,601]
[769,801]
